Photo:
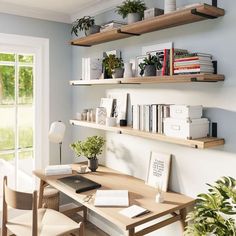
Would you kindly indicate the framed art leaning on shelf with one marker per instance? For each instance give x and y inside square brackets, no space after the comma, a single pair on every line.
[159,170]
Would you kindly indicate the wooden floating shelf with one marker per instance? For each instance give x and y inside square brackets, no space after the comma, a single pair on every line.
[153,80]
[195,143]
[177,18]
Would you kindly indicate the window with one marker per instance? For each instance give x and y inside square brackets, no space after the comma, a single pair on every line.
[17,118]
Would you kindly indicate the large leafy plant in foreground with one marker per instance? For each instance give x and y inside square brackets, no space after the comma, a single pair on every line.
[214,212]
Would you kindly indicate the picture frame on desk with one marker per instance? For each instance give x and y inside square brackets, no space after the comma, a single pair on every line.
[159,170]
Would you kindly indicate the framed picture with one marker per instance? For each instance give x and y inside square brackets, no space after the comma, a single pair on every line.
[159,170]
[120,105]
[139,59]
[108,104]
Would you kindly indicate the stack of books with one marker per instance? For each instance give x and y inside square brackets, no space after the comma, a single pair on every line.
[150,118]
[193,63]
[111,25]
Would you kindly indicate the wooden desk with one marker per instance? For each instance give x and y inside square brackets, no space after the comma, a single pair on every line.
[139,194]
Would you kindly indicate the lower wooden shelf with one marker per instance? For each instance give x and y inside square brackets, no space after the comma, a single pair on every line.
[201,143]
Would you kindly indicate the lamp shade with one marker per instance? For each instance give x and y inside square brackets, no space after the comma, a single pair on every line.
[56,132]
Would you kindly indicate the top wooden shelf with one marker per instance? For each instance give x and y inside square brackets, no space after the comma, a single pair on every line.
[179,17]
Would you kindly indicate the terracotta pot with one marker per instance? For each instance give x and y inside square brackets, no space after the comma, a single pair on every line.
[93,164]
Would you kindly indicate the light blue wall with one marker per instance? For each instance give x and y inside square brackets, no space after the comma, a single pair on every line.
[191,168]
[60,68]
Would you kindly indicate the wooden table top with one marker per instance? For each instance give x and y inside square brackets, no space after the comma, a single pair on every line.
[139,194]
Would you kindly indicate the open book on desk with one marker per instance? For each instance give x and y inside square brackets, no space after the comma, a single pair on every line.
[112,198]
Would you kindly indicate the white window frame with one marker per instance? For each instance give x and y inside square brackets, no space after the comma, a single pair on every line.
[40,47]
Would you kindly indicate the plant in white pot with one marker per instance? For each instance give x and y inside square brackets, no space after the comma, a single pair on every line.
[86,24]
[132,9]
[214,212]
[90,148]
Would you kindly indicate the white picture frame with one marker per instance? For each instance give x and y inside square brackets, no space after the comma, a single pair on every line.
[108,104]
[158,170]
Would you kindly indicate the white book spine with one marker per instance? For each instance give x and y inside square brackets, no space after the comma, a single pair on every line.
[135,116]
[154,118]
[147,118]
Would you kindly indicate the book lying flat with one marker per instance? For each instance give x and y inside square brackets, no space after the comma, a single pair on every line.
[112,198]
[134,211]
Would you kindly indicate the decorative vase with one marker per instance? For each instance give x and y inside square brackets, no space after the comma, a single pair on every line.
[134,17]
[118,73]
[93,164]
[128,73]
[150,70]
[93,30]
[101,115]
[170,6]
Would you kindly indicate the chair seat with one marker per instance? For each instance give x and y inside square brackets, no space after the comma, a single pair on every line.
[50,223]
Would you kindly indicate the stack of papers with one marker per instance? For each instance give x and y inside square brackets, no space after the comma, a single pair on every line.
[134,211]
[58,170]
[111,198]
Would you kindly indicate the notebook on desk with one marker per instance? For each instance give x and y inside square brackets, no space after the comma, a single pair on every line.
[79,183]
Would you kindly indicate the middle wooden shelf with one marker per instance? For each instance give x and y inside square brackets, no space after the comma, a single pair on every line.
[187,78]
[201,143]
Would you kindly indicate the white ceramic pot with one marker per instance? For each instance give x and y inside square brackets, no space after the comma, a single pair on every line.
[134,17]
[170,6]
[128,73]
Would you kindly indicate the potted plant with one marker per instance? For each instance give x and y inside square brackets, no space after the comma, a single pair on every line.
[150,65]
[113,66]
[132,9]
[90,148]
[213,212]
[86,24]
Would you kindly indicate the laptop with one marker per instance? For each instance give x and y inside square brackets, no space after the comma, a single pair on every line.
[79,183]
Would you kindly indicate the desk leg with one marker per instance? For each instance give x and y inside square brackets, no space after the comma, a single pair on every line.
[183,213]
[41,188]
[131,232]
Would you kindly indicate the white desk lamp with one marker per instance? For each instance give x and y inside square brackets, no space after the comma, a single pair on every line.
[56,134]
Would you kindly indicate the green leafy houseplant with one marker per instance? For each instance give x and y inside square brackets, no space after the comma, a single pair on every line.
[83,24]
[110,63]
[214,212]
[150,61]
[131,6]
[90,148]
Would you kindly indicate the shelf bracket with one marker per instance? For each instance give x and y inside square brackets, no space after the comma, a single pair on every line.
[197,13]
[214,3]
[123,32]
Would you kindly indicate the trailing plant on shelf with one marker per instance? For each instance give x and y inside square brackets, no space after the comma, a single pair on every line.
[149,65]
[90,148]
[111,63]
[86,24]
[133,9]
[214,212]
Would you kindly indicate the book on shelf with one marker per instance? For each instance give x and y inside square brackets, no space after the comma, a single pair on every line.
[111,25]
[135,116]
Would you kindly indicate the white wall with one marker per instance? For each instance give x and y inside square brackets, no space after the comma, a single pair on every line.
[60,66]
[191,168]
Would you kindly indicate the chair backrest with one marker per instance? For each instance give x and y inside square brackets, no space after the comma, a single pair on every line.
[20,201]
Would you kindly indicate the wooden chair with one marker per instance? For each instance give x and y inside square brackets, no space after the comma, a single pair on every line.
[36,222]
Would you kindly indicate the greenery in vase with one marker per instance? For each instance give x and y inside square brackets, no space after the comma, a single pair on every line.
[82,24]
[214,212]
[131,6]
[111,62]
[90,148]
[150,60]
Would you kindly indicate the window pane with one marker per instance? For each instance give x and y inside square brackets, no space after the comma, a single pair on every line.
[7,84]
[7,57]
[26,165]
[7,128]
[26,58]
[25,119]
[25,85]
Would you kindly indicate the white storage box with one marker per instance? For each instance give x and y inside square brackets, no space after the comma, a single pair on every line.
[186,128]
[185,112]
